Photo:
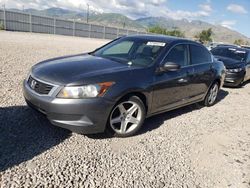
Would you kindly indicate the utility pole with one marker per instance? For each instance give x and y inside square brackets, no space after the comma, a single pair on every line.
[87,13]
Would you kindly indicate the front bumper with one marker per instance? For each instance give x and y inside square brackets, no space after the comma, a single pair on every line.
[234,79]
[86,116]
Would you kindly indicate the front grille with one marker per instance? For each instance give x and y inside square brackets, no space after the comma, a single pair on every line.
[39,87]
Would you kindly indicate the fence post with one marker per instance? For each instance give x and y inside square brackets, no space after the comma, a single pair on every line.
[30,22]
[54,26]
[4,17]
[117,33]
[104,32]
[74,28]
[90,27]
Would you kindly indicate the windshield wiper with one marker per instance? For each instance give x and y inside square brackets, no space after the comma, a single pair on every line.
[91,53]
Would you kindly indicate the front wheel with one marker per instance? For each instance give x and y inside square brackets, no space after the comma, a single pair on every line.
[127,117]
[212,95]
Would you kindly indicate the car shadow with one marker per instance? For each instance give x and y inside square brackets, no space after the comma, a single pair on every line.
[24,134]
[238,87]
[156,121]
[245,83]
[222,95]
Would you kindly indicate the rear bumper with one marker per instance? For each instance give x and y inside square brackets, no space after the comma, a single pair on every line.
[234,79]
[87,116]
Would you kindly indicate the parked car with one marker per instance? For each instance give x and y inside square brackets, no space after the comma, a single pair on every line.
[237,62]
[228,45]
[118,85]
[245,46]
[213,45]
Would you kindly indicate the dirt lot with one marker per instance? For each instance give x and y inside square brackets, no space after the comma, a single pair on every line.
[190,147]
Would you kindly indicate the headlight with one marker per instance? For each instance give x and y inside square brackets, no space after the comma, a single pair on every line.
[87,91]
[235,70]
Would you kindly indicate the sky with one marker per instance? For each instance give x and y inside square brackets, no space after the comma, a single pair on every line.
[234,14]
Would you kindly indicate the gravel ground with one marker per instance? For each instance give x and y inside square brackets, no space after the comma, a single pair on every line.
[190,147]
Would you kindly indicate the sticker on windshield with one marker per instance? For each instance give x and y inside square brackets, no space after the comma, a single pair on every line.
[156,44]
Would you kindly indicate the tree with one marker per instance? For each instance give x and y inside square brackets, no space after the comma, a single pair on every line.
[159,30]
[240,42]
[176,33]
[205,36]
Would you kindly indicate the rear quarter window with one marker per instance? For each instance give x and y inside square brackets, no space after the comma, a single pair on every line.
[199,55]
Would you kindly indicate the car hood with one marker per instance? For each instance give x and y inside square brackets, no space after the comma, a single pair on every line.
[230,63]
[72,69]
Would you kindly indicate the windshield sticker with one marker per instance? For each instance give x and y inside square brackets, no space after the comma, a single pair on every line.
[156,44]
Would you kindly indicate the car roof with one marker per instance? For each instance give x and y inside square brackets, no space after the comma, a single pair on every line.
[233,47]
[246,47]
[160,38]
[228,45]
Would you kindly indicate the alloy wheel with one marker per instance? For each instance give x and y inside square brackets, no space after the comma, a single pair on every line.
[213,94]
[125,117]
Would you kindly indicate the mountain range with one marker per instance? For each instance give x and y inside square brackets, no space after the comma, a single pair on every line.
[190,28]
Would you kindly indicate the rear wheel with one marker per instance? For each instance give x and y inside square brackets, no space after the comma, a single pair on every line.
[127,117]
[212,95]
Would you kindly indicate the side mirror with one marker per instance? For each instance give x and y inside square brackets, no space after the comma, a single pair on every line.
[170,66]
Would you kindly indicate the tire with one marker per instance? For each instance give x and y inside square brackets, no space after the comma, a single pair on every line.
[127,117]
[212,95]
[241,84]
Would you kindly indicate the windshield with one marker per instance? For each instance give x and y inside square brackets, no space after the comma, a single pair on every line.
[233,53]
[138,52]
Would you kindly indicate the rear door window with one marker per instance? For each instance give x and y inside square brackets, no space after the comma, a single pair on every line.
[199,55]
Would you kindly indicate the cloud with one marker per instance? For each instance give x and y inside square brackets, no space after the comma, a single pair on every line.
[228,23]
[180,14]
[206,7]
[131,8]
[235,8]
[205,10]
